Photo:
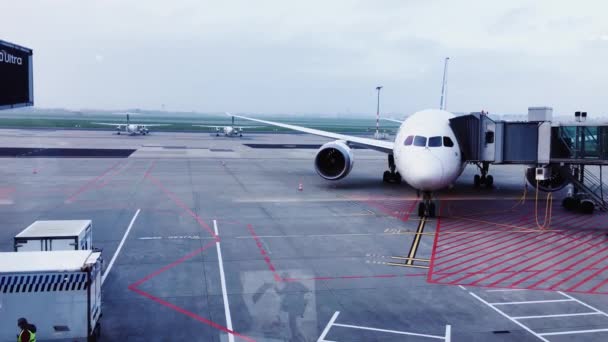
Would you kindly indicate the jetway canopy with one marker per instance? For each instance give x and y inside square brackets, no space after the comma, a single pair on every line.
[16,72]
[530,142]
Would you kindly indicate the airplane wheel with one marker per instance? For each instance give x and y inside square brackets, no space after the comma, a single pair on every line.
[118,133]
[397,178]
[431,209]
[476,181]
[421,209]
[489,181]
[217,135]
[587,207]
[385,176]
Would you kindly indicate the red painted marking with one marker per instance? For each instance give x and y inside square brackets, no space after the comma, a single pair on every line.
[586,279]
[600,271]
[189,313]
[110,176]
[181,204]
[92,182]
[552,258]
[356,277]
[277,277]
[519,255]
[150,168]
[468,245]
[406,217]
[175,263]
[508,250]
[473,249]
[581,270]
[434,251]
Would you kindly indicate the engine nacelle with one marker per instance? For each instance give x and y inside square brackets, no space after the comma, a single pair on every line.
[334,160]
[558,178]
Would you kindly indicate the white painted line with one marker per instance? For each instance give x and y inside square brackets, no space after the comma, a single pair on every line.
[559,315]
[448,333]
[223,283]
[462,287]
[388,331]
[122,242]
[508,317]
[534,302]
[573,332]
[328,326]
[583,303]
[150,238]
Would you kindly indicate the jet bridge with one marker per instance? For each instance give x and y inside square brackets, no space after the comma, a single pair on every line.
[557,153]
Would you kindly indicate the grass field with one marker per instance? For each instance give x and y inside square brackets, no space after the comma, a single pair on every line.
[185,123]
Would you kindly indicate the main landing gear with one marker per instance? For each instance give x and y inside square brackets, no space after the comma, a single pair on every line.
[427,206]
[390,175]
[484,178]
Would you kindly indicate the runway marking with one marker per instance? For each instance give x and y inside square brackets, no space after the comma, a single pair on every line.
[332,323]
[533,302]
[223,282]
[558,315]
[508,317]
[573,332]
[122,242]
[317,235]
[91,183]
[409,260]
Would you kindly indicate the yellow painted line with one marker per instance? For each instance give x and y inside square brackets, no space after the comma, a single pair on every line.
[406,258]
[416,242]
[405,265]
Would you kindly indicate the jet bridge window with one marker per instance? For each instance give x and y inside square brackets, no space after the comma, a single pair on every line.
[419,141]
[447,142]
[408,141]
[435,142]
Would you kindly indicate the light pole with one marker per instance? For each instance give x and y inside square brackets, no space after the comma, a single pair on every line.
[378,135]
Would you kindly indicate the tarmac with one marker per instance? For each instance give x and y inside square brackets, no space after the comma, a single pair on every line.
[220,243]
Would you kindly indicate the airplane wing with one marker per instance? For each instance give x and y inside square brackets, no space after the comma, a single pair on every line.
[109,124]
[378,145]
[392,120]
[154,125]
[250,126]
[216,127]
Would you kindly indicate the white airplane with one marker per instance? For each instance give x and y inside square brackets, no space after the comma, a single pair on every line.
[131,128]
[228,131]
[425,153]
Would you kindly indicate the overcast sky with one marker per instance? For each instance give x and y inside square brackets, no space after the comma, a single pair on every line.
[314,56]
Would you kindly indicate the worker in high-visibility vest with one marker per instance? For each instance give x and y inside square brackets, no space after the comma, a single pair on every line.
[28,331]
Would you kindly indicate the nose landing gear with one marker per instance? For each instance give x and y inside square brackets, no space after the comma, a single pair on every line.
[426,208]
[390,175]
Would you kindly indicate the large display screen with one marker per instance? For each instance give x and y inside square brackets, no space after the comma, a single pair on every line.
[16,79]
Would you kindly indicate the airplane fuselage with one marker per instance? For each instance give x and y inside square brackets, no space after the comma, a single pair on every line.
[427,154]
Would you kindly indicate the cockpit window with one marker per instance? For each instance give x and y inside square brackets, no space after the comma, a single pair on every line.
[408,141]
[435,142]
[447,142]
[419,141]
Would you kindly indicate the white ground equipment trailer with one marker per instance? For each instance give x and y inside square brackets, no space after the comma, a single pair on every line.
[58,235]
[59,292]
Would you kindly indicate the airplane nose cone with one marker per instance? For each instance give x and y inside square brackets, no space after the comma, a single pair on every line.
[425,172]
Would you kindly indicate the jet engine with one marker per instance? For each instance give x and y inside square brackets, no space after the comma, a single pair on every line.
[557,180]
[334,160]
